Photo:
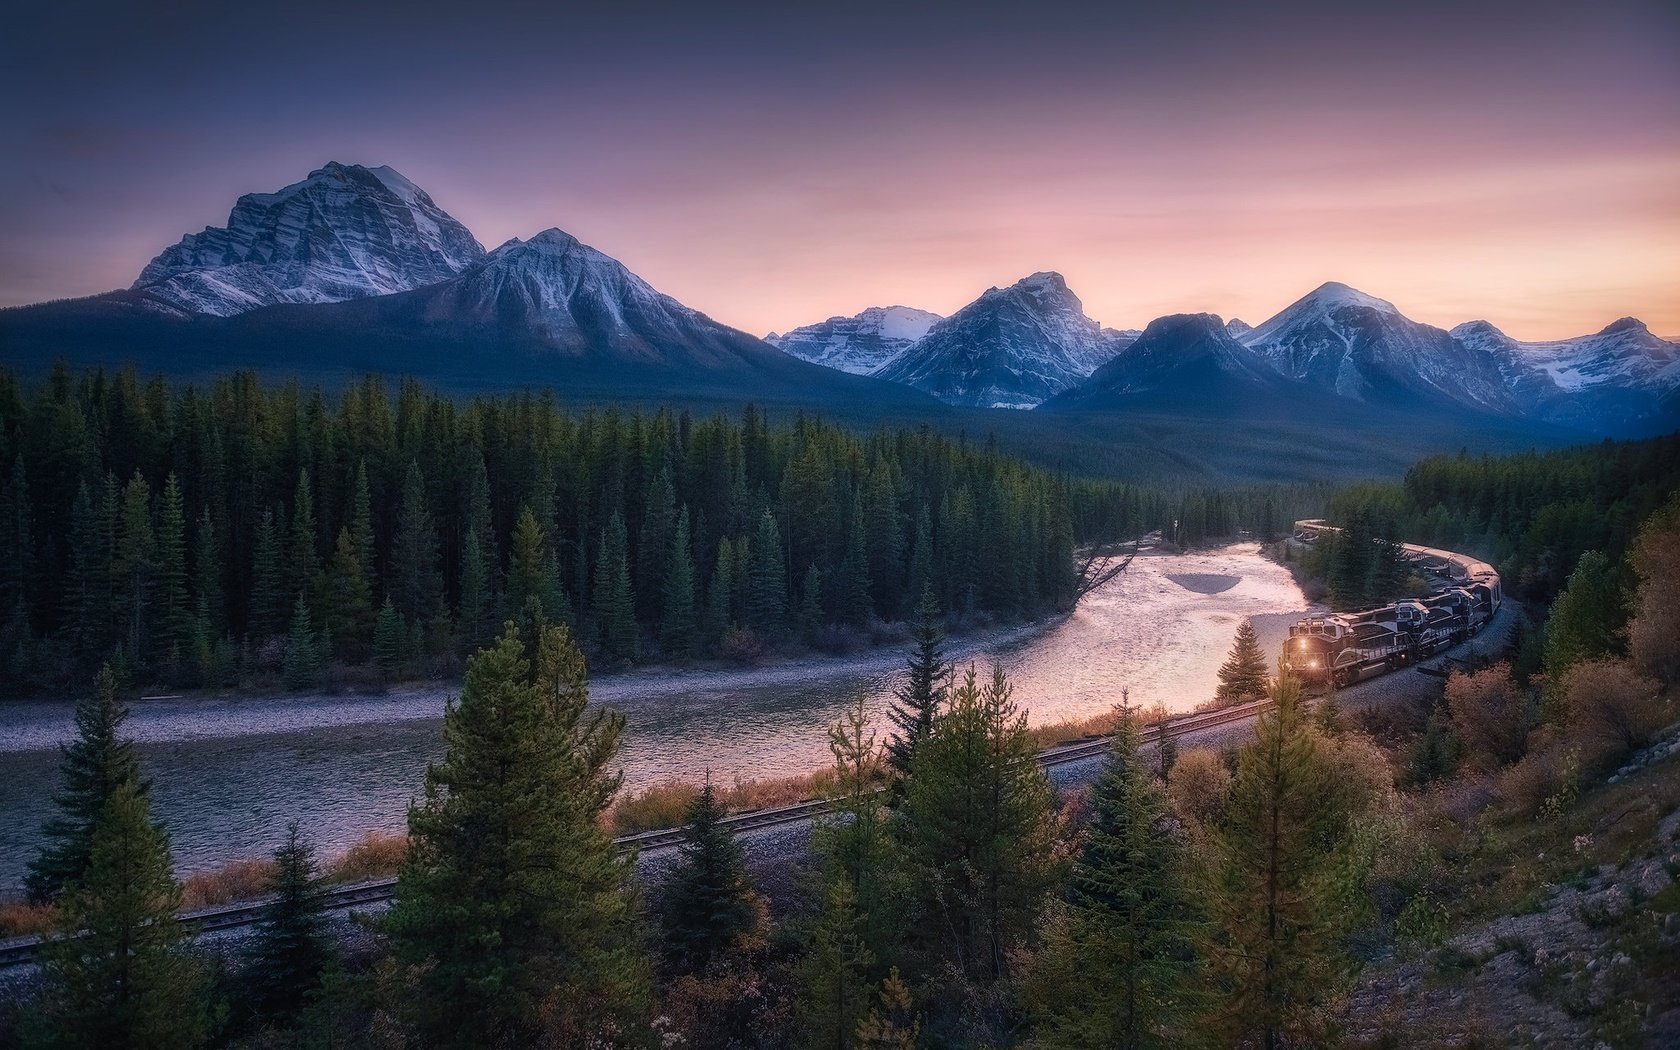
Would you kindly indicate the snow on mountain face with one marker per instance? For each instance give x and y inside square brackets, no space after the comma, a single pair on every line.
[345,232]
[1011,348]
[1361,347]
[858,344]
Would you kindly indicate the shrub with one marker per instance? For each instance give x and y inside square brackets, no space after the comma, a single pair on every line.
[377,854]
[1654,633]
[20,918]
[236,880]
[1198,785]
[1490,715]
[1612,709]
[742,645]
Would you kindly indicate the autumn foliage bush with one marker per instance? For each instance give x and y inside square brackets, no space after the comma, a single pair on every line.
[1490,714]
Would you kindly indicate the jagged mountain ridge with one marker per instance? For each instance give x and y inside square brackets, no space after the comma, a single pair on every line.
[1011,348]
[345,232]
[859,344]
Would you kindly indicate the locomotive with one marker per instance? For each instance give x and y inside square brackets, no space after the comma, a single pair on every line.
[1343,648]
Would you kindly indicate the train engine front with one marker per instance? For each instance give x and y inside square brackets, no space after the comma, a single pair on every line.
[1313,645]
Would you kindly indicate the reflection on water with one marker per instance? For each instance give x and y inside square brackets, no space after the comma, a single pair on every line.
[1160,629]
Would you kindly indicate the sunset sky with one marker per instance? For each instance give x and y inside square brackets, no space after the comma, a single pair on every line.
[773,165]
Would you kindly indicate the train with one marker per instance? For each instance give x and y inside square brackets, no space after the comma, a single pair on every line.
[1340,649]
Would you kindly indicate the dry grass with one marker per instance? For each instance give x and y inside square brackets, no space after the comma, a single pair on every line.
[238,880]
[377,854]
[1095,725]
[23,919]
[666,804]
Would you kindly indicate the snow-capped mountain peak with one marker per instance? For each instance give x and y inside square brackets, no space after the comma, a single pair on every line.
[345,232]
[859,344]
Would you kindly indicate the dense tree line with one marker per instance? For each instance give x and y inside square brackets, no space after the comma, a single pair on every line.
[198,534]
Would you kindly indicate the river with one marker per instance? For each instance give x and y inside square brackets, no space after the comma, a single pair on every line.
[227,773]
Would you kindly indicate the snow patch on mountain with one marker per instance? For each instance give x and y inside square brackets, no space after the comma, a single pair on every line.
[859,344]
[345,232]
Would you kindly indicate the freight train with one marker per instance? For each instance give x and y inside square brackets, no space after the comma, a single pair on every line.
[1343,648]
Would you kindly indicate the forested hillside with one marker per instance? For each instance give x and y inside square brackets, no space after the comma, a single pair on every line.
[200,534]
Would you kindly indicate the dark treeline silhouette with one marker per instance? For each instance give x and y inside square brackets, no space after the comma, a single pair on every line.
[201,534]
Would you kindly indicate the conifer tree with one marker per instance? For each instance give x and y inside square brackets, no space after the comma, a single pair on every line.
[1119,969]
[810,605]
[857,849]
[978,831]
[890,1024]
[17,540]
[921,556]
[116,973]
[290,948]
[303,561]
[268,580]
[90,768]
[1587,621]
[710,906]
[852,587]
[916,704]
[361,527]
[884,539]
[532,576]
[1243,675]
[614,606]
[390,636]
[720,595]
[472,612]
[175,612]
[302,668]
[208,608]
[680,625]
[349,615]
[415,583]
[89,575]
[515,919]
[835,973]
[135,566]
[1278,954]
[654,545]
[767,577]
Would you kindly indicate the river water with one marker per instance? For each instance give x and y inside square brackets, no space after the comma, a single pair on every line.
[228,773]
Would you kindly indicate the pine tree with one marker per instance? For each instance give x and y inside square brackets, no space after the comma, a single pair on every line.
[857,849]
[834,974]
[361,528]
[1587,621]
[853,604]
[1119,969]
[515,918]
[810,605]
[290,948]
[978,830]
[884,539]
[679,626]
[268,581]
[1242,677]
[117,973]
[208,608]
[710,906]
[921,556]
[890,1024]
[303,561]
[531,575]
[1278,954]
[415,584]
[767,578]
[88,577]
[390,636]
[348,616]
[91,767]
[175,612]
[720,595]
[614,607]
[916,703]
[17,544]
[302,668]
[654,545]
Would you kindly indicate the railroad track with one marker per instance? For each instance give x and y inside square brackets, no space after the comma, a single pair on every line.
[18,950]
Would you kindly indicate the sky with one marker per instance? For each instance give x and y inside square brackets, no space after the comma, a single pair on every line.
[773,165]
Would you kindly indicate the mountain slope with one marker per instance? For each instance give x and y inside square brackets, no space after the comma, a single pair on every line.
[1011,348]
[1360,347]
[859,344]
[345,232]
[1621,379]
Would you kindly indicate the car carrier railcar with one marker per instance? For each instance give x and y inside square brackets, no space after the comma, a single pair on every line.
[1343,648]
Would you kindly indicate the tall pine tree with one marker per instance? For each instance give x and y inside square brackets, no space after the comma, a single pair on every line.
[916,704]
[710,906]
[290,947]
[1242,677]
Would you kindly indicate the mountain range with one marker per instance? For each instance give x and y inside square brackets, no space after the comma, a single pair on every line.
[358,269]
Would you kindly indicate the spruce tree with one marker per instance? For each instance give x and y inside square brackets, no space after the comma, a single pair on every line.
[810,605]
[302,667]
[654,545]
[978,832]
[515,918]
[710,906]
[1242,677]
[89,572]
[884,539]
[851,594]
[268,581]
[1586,622]
[720,595]
[415,582]
[1278,954]
[90,769]
[17,540]
[835,973]
[767,578]
[116,973]
[175,611]
[208,609]
[531,575]
[349,615]
[614,607]
[135,567]
[290,947]
[921,556]
[390,640]
[1120,969]
[303,561]
[680,625]
[916,704]
[857,849]
[361,527]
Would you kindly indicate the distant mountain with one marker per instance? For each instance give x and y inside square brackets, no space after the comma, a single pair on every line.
[345,232]
[1187,362]
[1362,348]
[1011,348]
[859,344]
[1236,327]
[1618,379]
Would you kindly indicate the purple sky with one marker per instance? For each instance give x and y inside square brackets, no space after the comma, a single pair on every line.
[772,165]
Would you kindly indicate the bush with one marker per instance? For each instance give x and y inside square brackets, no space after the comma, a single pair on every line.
[21,918]
[742,645]
[1612,709]
[377,854]
[1490,715]
[1197,786]
[236,880]
[1654,633]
